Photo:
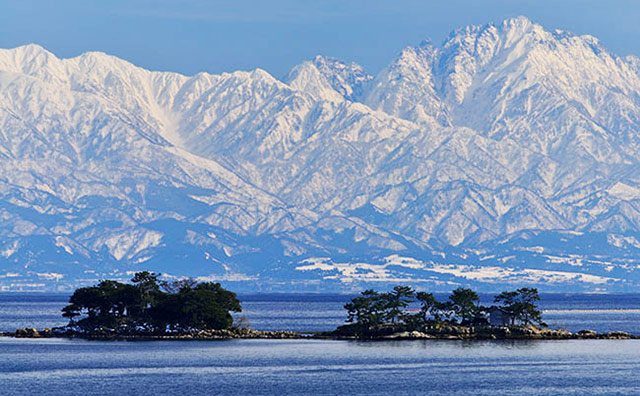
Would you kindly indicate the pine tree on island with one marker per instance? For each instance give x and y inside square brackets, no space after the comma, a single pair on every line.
[150,306]
[373,313]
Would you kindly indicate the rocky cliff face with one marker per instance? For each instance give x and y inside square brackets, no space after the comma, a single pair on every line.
[508,154]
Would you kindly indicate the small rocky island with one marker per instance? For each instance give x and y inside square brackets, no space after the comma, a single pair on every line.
[404,313]
[151,309]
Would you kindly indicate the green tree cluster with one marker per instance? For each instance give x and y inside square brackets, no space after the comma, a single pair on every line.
[373,309]
[150,305]
[522,305]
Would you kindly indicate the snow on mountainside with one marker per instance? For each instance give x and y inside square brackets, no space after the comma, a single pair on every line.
[330,79]
[506,155]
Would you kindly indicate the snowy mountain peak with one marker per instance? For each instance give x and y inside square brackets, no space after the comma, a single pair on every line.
[32,60]
[330,79]
[348,79]
[406,88]
[506,154]
[308,78]
[519,26]
[25,54]
[511,29]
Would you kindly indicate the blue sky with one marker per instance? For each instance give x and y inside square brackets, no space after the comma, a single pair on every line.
[215,36]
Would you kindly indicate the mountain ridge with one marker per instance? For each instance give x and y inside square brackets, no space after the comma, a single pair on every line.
[451,154]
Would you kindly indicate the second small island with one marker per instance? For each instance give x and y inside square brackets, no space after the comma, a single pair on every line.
[404,313]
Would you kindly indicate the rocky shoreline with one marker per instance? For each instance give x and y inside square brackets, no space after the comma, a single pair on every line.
[452,332]
[226,334]
[342,333]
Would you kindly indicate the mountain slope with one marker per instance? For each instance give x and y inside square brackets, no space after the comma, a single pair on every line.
[507,154]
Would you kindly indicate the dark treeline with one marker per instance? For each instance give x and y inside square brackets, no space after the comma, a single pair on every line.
[373,309]
[149,305]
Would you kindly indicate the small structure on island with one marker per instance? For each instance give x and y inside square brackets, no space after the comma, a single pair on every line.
[499,317]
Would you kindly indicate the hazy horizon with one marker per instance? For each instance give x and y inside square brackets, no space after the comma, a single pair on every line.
[216,37]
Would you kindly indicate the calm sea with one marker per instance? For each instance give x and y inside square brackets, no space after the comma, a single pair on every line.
[55,367]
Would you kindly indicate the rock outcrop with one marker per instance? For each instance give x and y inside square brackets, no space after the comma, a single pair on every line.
[455,332]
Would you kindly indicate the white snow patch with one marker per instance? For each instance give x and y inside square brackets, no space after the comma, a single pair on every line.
[60,241]
[624,191]
[10,249]
[349,272]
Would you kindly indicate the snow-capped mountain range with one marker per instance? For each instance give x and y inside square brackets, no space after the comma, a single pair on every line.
[506,155]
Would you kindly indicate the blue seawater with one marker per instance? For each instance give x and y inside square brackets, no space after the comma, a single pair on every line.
[57,367]
[51,367]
